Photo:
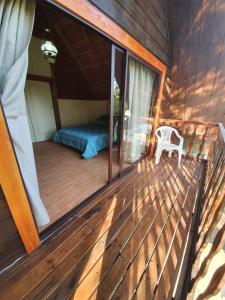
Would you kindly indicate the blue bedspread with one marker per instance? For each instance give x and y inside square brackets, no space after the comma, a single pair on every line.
[88,139]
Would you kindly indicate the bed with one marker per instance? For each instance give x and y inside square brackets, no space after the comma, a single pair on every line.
[89,139]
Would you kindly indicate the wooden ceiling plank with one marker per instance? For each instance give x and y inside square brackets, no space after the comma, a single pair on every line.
[90,85]
[93,46]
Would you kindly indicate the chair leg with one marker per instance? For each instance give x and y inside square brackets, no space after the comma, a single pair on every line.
[170,153]
[179,157]
[158,155]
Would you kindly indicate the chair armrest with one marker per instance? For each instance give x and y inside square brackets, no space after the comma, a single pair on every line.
[156,133]
[180,138]
[181,141]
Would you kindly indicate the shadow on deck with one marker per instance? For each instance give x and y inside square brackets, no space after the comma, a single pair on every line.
[126,243]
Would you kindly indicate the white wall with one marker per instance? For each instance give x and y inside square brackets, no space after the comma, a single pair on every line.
[38,65]
[80,112]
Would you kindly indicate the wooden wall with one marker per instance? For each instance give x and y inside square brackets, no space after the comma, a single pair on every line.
[145,20]
[197,44]
[11,247]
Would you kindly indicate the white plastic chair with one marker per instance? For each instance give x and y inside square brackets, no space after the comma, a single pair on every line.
[164,142]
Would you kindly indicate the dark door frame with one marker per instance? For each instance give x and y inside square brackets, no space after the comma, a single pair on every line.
[115,48]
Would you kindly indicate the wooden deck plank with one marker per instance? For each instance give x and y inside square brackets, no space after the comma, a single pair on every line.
[75,224]
[141,240]
[120,240]
[104,250]
[102,229]
[155,265]
[124,240]
[166,283]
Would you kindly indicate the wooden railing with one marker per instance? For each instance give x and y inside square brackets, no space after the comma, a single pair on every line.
[199,137]
[208,271]
[205,275]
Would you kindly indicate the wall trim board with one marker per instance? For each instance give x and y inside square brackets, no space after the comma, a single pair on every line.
[39,78]
[85,100]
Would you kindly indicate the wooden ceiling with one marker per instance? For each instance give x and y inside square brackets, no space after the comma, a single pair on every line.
[82,67]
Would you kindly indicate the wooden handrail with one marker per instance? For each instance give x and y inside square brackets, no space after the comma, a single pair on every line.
[199,137]
[189,122]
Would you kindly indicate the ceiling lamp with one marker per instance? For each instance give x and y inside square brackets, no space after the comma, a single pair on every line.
[48,49]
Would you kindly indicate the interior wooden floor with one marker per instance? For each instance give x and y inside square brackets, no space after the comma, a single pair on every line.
[65,178]
[127,243]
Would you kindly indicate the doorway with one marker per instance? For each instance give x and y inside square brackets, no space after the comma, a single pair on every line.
[71,159]
[91,83]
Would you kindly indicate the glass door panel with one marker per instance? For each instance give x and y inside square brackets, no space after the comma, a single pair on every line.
[137,109]
[116,109]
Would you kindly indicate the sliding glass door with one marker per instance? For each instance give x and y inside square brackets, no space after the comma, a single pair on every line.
[137,111]
[133,87]
[116,109]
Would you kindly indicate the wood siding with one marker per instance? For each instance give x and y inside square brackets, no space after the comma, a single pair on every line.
[145,20]
[11,247]
[197,38]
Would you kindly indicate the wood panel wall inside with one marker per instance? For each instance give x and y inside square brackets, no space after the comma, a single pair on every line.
[197,45]
[82,67]
[11,247]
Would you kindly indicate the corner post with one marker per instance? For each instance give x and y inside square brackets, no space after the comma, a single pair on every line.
[14,190]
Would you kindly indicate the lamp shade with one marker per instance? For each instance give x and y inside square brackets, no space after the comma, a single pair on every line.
[49,51]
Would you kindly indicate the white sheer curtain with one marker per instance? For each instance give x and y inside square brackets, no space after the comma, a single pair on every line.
[16,21]
[141,81]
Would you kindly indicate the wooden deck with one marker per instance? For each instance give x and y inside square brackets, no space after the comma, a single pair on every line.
[126,243]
